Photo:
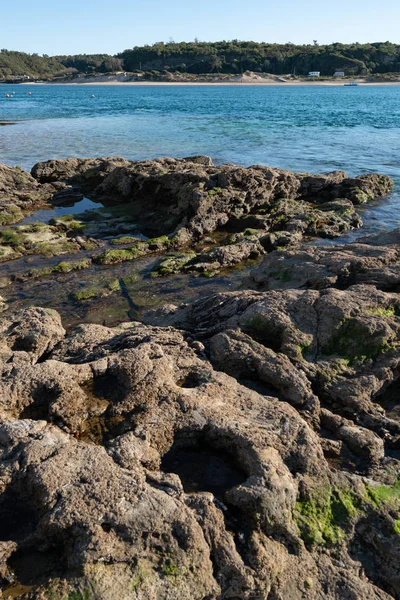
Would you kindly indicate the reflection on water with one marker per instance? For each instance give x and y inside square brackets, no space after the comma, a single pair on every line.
[45,215]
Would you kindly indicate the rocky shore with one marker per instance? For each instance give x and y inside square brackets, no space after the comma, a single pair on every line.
[244,446]
[177,203]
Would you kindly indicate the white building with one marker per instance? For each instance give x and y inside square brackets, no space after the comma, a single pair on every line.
[18,77]
[314,74]
[338,74]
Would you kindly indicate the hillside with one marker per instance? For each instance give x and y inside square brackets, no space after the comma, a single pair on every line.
[237,57]
[230,57]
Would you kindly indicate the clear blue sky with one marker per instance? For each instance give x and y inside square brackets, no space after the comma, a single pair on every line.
[91,26]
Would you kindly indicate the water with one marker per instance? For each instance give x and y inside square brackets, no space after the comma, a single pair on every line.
[300,128]
[77,208]
[307,128]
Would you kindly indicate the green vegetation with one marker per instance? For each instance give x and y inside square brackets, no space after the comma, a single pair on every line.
[85,294]
[215,191]
[354,341]
[68,223]
[84,595]
[230,57]
[174,264]
[125,239]
[326,515]
[250,232]
[114,285]
[13,214]
[391,311]
[20,63]
[143,573]
[384,494]
[237,56]
[10,237]
[75,265]
[169,569]
[62,267]
[113,257]
[62,246]
[323,517]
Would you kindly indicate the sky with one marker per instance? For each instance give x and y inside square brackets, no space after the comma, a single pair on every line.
[95,26]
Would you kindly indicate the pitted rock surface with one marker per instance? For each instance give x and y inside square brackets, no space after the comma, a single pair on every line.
[131,468]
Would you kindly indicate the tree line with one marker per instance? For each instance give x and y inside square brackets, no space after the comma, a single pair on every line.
[233,57]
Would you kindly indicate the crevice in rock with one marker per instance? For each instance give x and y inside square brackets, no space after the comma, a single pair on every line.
[17,519]
[106,386]
[257,385]
[42,395]
[30,568]
[372,547]
[389,399]
[203,468]
[190,380]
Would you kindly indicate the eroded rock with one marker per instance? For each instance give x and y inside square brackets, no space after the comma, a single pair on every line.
[131,468]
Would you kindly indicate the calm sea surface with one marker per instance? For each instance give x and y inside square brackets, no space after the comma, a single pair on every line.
[308,128]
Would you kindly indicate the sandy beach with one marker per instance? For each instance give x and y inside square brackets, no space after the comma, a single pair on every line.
[245,81]
[219,83]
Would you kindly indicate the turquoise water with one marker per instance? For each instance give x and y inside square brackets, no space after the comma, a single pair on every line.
[310,128]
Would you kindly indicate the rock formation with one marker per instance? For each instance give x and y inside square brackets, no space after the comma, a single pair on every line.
[241,447]
[245,450]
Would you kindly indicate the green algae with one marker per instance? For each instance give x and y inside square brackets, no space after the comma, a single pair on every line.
[124,239]
[353,341]
[12,215]
[85,594]
[325,515]
[67,267]
[11,237]
[68,223]
[390,311]
[169,569]
[384,494]
[215,191]
[115,256]
[62,267]
[114,285]
[62,246]
[175,264]
[85,294]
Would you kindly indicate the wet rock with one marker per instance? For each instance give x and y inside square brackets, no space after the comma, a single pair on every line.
[189,198]
[35,238]
[337,185]
[20,194]
[369,261]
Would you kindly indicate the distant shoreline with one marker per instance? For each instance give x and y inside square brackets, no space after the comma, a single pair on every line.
[216,83]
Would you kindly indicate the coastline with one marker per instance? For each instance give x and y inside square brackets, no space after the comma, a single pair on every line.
[217,83]
[247,79]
